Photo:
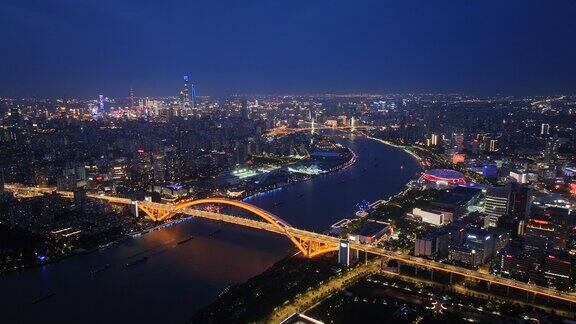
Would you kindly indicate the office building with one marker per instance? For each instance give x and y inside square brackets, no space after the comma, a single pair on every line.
[119,171]
[539,234]
[433,216]
[518,208]
[434,140]
[520,265]
[520,201]
[185,103]
[557,267]
[344,253]
[496,205]
[432,244]
[159,167]
[545,129]
[193,96]
[519,176]
[561,219]
[456,200]
[101,103]
[493,145]
[482,242]
[132,99]
[369,232]
[456,233]
[501,239]
[465,255]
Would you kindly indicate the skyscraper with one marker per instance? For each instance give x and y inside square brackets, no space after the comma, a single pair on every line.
[520,201]
[132,100]
[185,105]
[496,205]
[344,253]
[561,219]
[519,208]
[244,113]
[194,103]
[545,129]
[539,233]
[493,145]
[434,140]
[101,103]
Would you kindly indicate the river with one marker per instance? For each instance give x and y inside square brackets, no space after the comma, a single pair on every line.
[178,279]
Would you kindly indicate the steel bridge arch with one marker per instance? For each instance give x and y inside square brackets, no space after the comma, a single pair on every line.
[269,217]
[303,245]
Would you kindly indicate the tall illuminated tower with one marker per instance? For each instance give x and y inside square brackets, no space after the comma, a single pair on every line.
[185,106]
[313,129]
[132,98]
[101,103]
[193,96]
[312,121]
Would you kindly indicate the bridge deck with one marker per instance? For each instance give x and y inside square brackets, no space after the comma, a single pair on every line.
[325,239]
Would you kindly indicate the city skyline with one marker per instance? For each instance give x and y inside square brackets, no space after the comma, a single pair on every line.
[288,162]
[260,47]
[154,192]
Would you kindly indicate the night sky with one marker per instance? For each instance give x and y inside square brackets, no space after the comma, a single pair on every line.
[83,48]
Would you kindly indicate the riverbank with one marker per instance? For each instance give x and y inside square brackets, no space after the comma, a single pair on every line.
[270,281]
[343,166]
[257,298]
[147,227]
[314,295]
[403,147]
[186,277]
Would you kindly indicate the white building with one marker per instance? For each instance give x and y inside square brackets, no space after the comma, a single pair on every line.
[434,217]
[519,176]
[496,205]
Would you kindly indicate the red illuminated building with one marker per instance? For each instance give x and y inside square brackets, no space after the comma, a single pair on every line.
[444,176]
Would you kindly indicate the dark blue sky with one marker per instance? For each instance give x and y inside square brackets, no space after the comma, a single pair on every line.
[82,48]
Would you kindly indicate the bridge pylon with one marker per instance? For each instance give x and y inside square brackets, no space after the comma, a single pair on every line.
[311,247]
[154,213]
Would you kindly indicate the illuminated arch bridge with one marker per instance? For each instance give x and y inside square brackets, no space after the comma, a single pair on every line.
[310,244]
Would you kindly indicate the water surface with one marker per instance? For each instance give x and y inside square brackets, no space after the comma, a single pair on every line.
[178,279]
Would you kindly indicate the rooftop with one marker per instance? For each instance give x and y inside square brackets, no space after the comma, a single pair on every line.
[369,229]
